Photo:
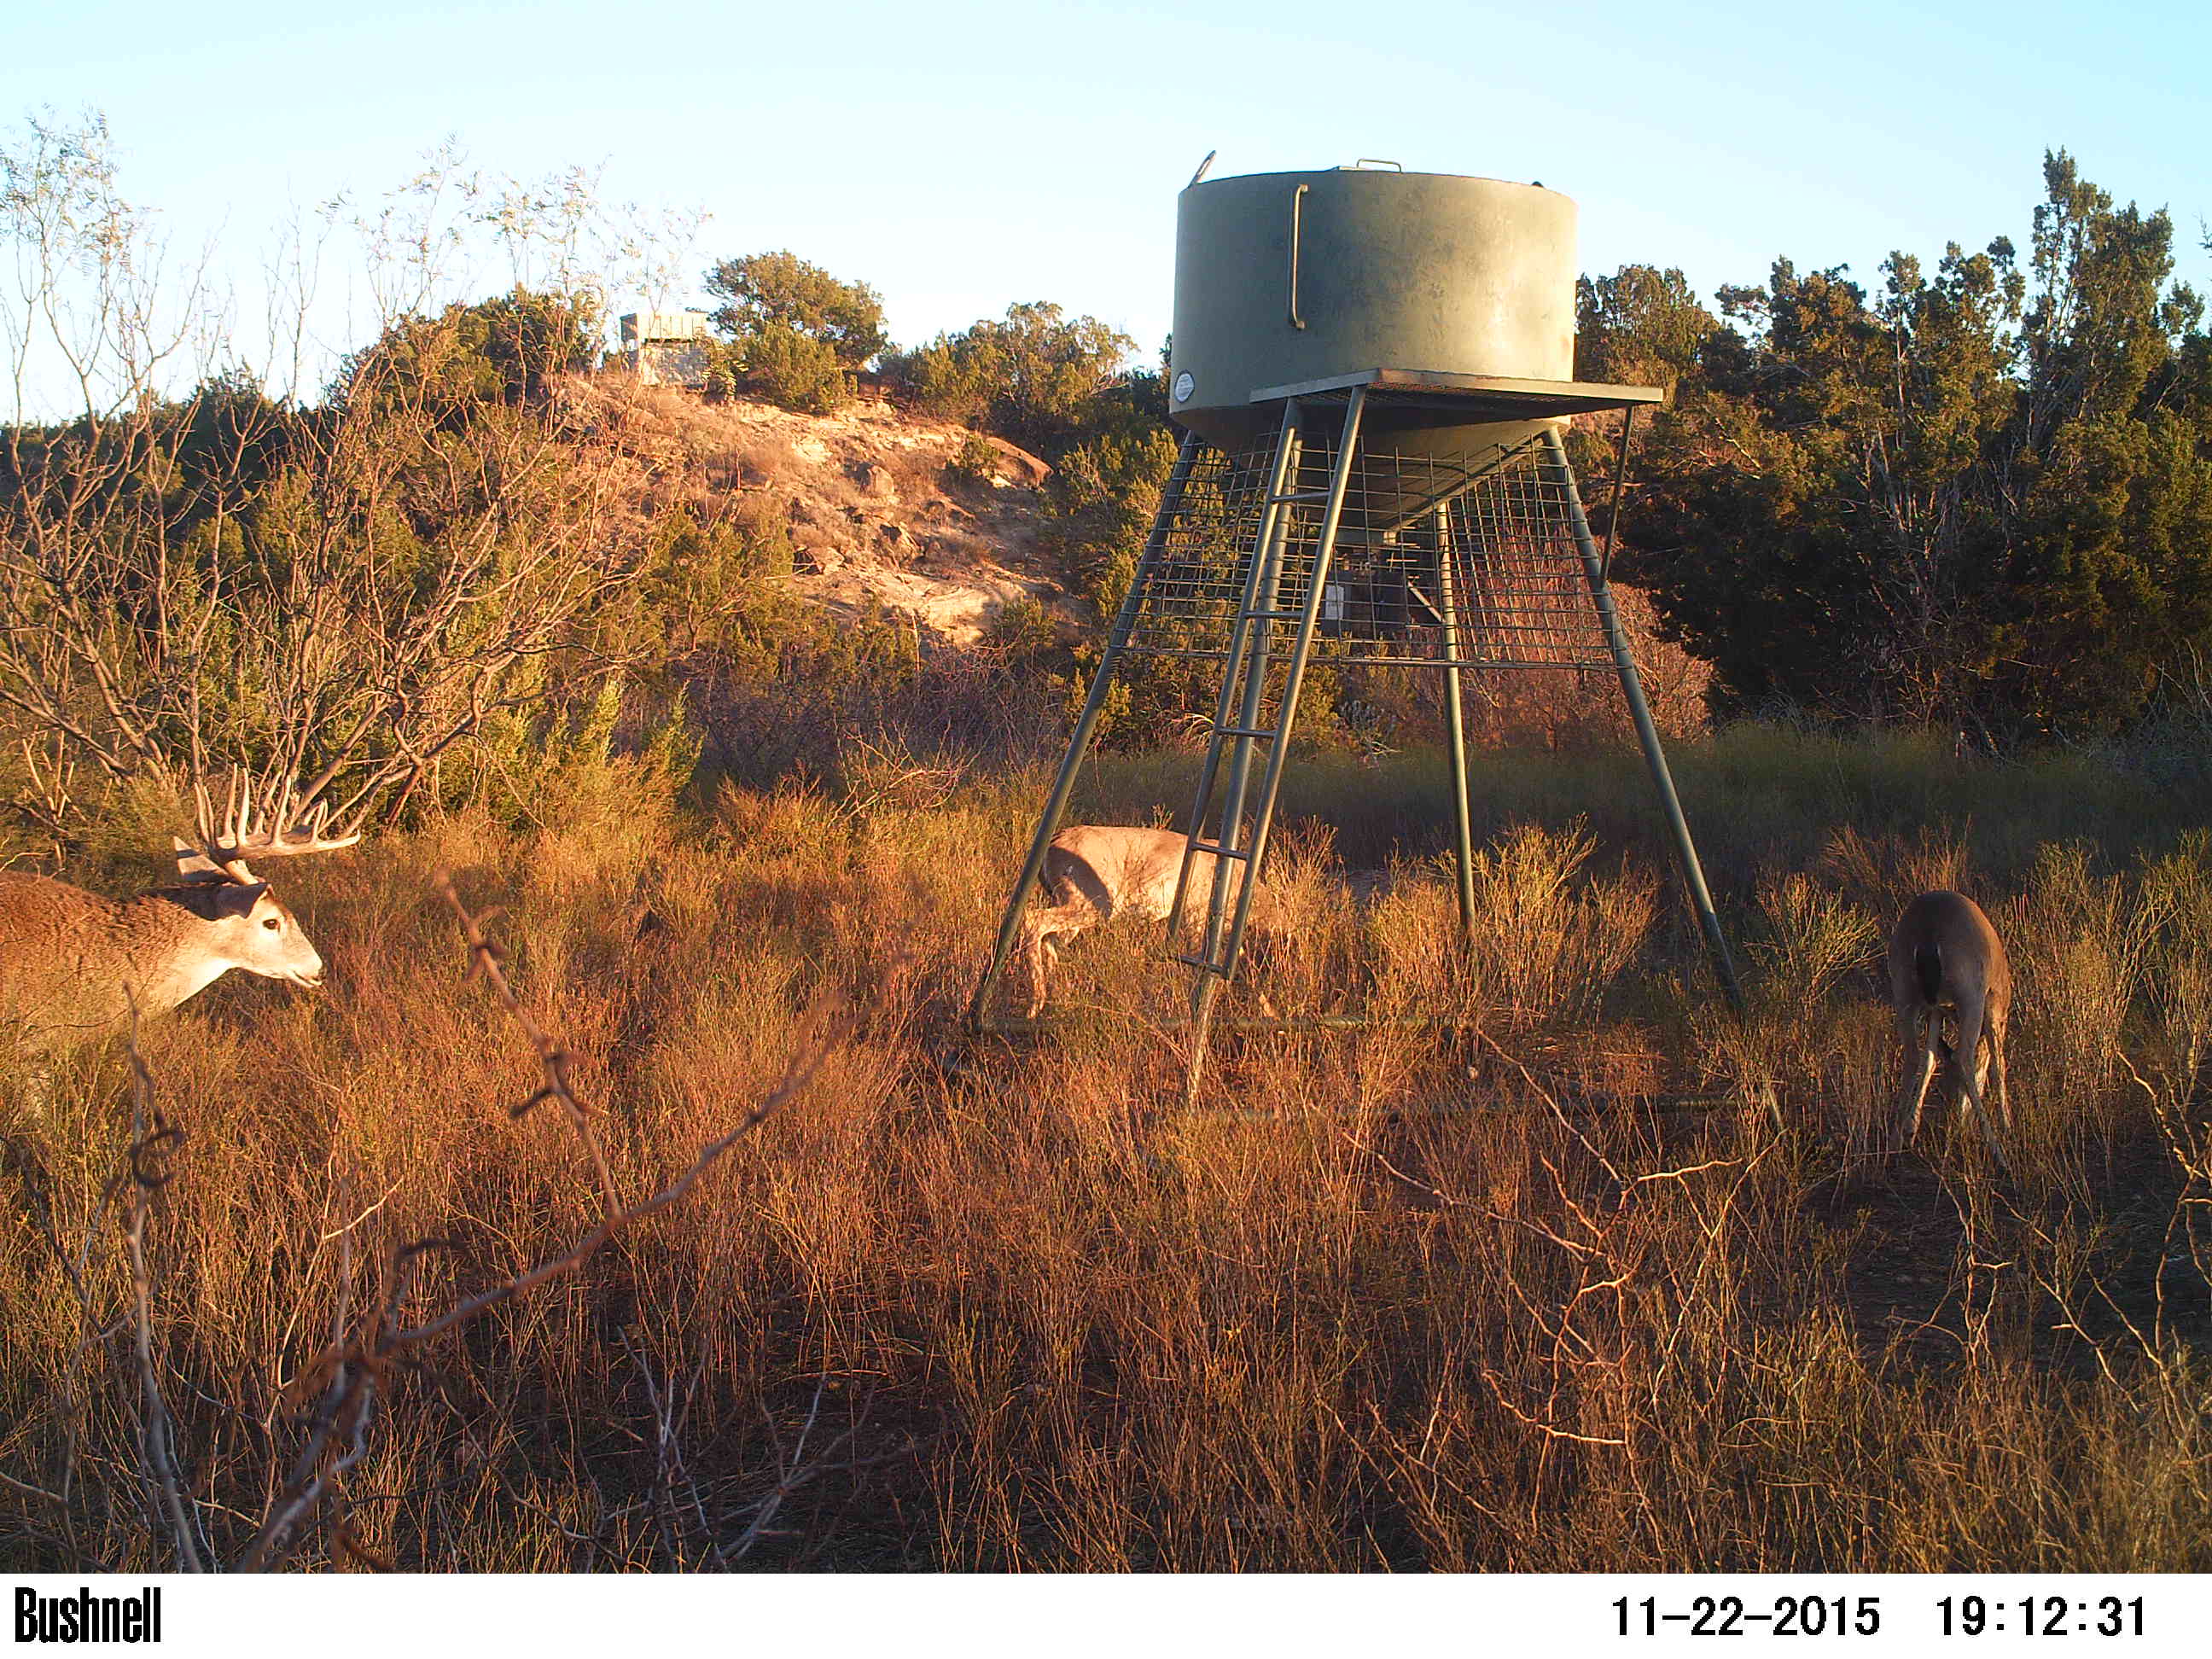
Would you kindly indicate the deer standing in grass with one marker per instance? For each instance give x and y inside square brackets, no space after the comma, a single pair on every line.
[74,966]
[1944,953]
[1094,873]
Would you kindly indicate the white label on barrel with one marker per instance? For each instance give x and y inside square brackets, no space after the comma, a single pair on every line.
[1184,386]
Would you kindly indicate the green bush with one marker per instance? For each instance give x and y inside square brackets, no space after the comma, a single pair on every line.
[701,587]
[1034,378]
[1104,493]
[780,291]
[1978,495]
[509,348]
[975,462]
[795,371]
[795,333]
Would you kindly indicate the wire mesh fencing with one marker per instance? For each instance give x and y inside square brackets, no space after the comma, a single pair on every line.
[1440,559]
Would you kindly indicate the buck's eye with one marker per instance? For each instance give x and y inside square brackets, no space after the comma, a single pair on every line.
[272,924]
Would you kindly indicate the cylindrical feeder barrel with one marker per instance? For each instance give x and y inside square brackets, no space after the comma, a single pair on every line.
[1289,278]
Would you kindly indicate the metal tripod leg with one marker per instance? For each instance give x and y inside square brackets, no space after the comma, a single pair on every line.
[1211,976]
[1086,724]
[1455,722]
[1647,733]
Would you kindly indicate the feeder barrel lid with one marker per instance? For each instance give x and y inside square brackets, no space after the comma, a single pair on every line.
[1367,167]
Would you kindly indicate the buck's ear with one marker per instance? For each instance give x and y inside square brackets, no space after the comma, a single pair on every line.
[234,899]
[194,865]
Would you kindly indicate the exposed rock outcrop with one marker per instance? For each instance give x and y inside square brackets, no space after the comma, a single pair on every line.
[878,513]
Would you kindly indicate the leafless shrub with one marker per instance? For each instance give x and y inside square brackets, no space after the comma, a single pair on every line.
[341,593]
[1886,872]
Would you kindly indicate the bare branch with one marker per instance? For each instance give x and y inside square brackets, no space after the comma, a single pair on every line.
[153,1139]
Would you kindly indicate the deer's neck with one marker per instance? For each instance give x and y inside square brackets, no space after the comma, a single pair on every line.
[174,962]
[179,981]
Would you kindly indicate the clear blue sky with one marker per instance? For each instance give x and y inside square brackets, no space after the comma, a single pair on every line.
[960,154]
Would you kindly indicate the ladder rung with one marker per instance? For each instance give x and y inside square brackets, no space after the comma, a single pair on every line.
[1299,495]
[1246,732]
[1270,615]
[1219,851]
[1207,963]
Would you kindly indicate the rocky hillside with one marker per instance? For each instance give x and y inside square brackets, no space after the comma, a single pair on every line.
[922,517]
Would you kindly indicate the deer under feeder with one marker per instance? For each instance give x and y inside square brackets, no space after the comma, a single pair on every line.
[1371,369]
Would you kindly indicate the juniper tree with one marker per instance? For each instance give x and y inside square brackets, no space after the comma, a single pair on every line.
[1982,495]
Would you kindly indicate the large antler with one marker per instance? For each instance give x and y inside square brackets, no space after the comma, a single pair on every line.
[270,828]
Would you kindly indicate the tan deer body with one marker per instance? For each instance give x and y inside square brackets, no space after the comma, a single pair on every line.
[74,966]
[1096,873]
[1944,953]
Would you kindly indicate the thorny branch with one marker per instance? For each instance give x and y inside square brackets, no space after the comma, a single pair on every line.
[153,1139]
[484,958]
[1604,1264]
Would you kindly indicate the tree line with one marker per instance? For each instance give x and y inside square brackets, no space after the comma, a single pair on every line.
[1979,495]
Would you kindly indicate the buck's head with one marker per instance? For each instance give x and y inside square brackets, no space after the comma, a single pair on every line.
[249,927]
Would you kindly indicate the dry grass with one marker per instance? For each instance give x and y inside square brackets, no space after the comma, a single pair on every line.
[1007,1307]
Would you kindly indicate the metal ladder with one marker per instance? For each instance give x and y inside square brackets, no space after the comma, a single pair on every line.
[1243,723]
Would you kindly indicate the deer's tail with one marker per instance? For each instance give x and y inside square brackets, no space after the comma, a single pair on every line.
[1928,971]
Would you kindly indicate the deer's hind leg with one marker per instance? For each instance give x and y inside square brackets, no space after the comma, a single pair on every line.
[1974,1066]
[1998,1064]
[1915,1031]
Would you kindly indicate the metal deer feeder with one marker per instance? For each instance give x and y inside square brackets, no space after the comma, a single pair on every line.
[1371,369]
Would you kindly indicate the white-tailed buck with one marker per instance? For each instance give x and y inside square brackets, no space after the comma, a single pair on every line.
[1944,953]
[74,966]
[1094,873]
